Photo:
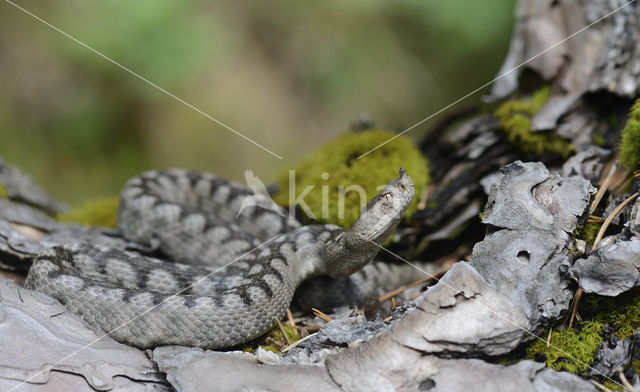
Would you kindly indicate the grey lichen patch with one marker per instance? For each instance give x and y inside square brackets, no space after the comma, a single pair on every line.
[611,270]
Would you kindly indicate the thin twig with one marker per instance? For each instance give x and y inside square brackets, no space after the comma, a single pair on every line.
[625,382]
[549,337]
[274,342]
[609,219]
[300,319]
[414,296]
[603,229]
[393,293]
[594,219]
[600,386]
[311,328]
[298,342]
[290,318]
[574,307]
[603,187]
[284,334]
[320,314]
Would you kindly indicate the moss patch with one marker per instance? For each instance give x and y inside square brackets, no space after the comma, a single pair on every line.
[333,170]
[3,192]
[581,345]
[275,335]
[99,212]
[611,385]
[588,232]
[629,147]
[636,366]
[599,140]
[622,313]
[515,120]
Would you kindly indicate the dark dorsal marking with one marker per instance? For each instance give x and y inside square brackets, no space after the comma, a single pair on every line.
[277,254]
[158,298]
[193,178]
[216,183]
[209,224]
[241,291]
[126,298]
[184,212]
[184,284]
[263,285]
[173,177]
[142,277]
[266,270]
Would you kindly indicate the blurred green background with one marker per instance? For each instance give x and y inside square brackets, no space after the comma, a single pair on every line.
[290,75]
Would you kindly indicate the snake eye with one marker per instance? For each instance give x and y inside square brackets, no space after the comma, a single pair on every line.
[387,196]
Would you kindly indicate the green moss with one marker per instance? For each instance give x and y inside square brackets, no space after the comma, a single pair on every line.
[629,147]
[291,332]
[272,347]
[588,232]
[622,313]
[612,385]
[99,212]
[581,345]
[574,251]
[636,366]
[273,335]
[3,192]
[599,140]
[334,168]
[515,120]
[506,361]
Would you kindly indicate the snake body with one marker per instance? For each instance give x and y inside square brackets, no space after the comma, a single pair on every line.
[231,275]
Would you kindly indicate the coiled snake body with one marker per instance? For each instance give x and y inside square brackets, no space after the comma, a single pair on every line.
[233,274]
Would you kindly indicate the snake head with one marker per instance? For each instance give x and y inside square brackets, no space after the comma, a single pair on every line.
[358,245]
[385,210]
